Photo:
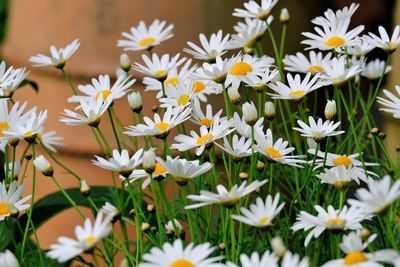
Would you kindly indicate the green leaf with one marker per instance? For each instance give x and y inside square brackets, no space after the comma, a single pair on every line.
[6,231]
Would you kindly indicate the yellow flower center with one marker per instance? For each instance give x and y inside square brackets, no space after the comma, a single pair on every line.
[335,221]
[297,93]
[4,209]
[147,41]
[162,126]
[264,221]
[354,258]
[28,134]
[198,86]
[342,160]
[174,81]
[204,139]
[341,184]
[182,263]
[393,44]
[90,239]
[315,68]
[241,69]
[160,73]
[3,125]
[273,153]
[104,93]
[335,41]
[183,99]
[206,122]
[159,170]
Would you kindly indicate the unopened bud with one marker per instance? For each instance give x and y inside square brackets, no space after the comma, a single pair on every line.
[249,113]
[243,176]
[43,166]
[154,108]
[284,16]
[374,131]
[124,263]
[135,102]
[145,227]
[365,233]
[151,208]
[13,169]
[125,62]
[234,96]
[330,109]
[260,166]
[85,188]
[269,110]
[278,247]
[221,246]
[382,135]
[28,156]
[149,161]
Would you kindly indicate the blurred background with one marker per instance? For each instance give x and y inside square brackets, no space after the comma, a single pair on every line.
[30,27]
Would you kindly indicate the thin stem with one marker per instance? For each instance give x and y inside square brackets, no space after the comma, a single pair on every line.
[67,78]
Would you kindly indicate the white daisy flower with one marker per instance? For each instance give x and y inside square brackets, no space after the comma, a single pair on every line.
[182,170]
[145,38]
[101,86]
[179,96]
[209,50]
[8,259]
[296,89]
[10,79]
[176,255]
[214,73]
[218,129]
[241,126]
[58,57]
[50,140]
[158,67]
[259,83]
[171,228]
[248,32]
[254,10]
[159,173]
[11,203]
[341,176]
[87,238]
[261,214]
[293,260]
[361,49]
[245,67]
[336,71]
[330,219]
[378,197]
[200,118]
[391,103]
[43,165]
[335,17]
[275,152]
[224,197]
[110,211]
[240,148]
[267,259]
[93,111]
[353,245]
[374,69]
[389,44]
[318,130]
[300,63]
[120,162]
[160,127]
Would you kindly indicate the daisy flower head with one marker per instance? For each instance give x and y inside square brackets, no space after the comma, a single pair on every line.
[254,10]
[245,67]
[178,96]
[330,219]
[200,118]
[341,176]
[10,79]
[267,259]
[209,50]
[296,89]
[207,137]
[331,16]
[158,67]
[92,108]
[259,83]
[262,213]
[301,63]
[242,127]
[375,69]
[145,38]
[176,255]
[391,103]
[379,195]
[216,72]
[182,170]
[239,149]
[120,162]
[361,49]
[224,197]
[248,33]
[159,173]
[111,211]
[87,238]
[275,152]
[11,203]
[353,246]
[102,86]
[336,71]
[318,130]
[8,259]
[293,260]
[57,58]
[160,127]
[384,41]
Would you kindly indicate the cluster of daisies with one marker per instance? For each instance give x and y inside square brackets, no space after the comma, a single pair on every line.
[259,183]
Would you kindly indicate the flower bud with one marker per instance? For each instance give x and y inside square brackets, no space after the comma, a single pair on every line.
[330,109]
[284,16]
[374,131]
[43,166]
[85,188]
[151,208]
[249,113]
[125,62]
[269,110]
[145,227]
[243,176]
[234,95]
[260,166]
[278,247]
[149,161]
[7,258]
[124,263]
[135,102]
[13,174]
